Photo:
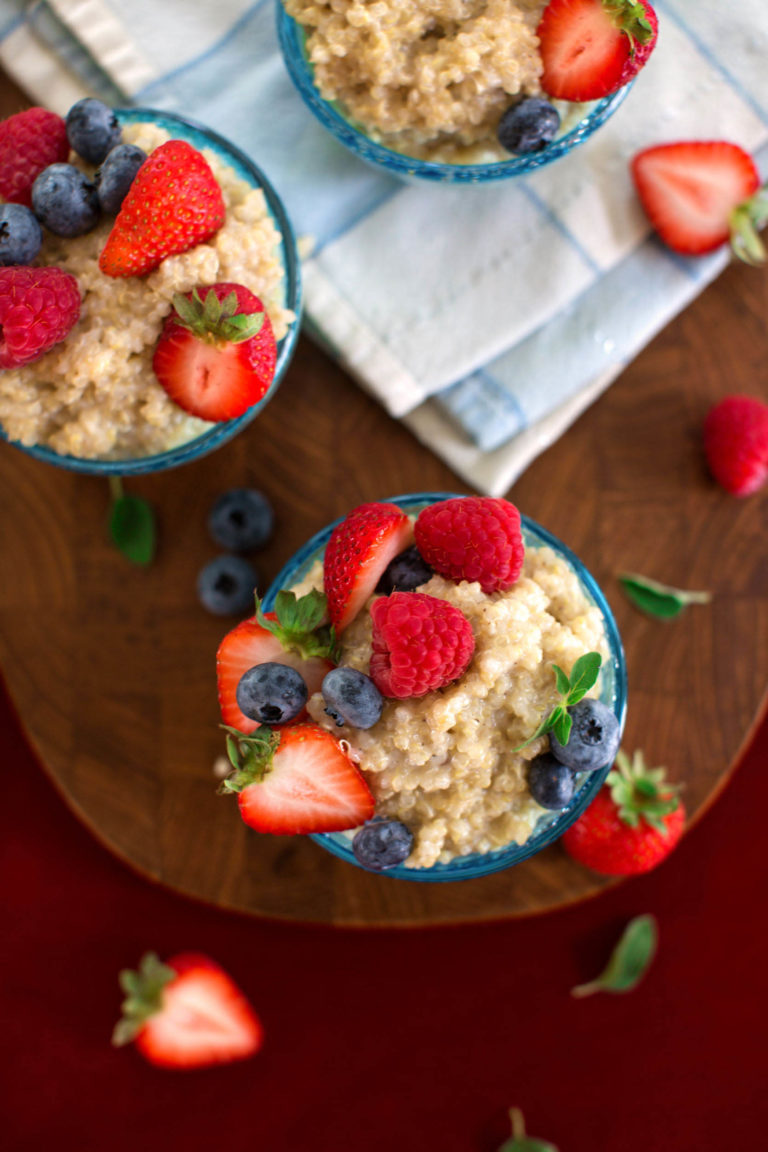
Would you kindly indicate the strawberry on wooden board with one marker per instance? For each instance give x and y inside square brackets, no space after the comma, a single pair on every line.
[174,203]
[701,194]
[591,48]
[736,444]
[186,1013]
[295,781]
[216,354]
[357,554]
[633,823]
[294,634]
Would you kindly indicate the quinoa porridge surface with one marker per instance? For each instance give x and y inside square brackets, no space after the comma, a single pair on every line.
[443,763]
[95,395]
[428,78]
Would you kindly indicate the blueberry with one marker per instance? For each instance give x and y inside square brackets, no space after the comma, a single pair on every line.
[93,129]
[226,585]
[20,235]
[407,571]
[116,175]
[271,693]
[241,519]
[594,738]
[528,126]
[551,783]
[65,200]
[381,844]
[351,697]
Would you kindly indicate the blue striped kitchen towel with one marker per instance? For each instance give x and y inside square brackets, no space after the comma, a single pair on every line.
[485,318]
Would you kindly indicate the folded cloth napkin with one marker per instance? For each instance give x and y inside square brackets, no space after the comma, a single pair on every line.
[487,318]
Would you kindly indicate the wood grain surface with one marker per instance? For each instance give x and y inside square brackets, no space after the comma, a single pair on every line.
[112,667]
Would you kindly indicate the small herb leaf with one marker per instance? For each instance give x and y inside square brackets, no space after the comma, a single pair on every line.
[562,683]
[629,960]
[584,676]
[659,600]
[132,528]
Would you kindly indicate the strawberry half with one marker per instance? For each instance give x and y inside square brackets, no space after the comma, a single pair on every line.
[174,203]
[294,634]
[296,780]
[358,552]
[700,194]
[216,357]
[186,1013]
[591,48]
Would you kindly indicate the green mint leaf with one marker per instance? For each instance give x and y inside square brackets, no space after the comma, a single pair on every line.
[659,600]
[629,960]
[562,683]
[561,724]
[583,676]
[132,527]
[519,1142]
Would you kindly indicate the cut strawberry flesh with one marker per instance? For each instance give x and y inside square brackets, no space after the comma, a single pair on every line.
[583,53]
[356,560]
[212,381]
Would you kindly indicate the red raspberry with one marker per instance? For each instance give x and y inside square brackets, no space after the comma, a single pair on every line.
[473,538]
[38,307]
[420,643]
[29,142]
[736,444]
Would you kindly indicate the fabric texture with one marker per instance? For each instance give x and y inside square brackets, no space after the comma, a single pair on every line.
[487,318]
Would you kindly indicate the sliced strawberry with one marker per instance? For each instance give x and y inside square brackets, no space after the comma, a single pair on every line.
[699,194]
[216,356]
[298,780]
[591,48]
[357,554]
[186,1013]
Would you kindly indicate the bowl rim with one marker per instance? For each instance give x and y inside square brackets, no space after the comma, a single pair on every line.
[476,865]
[225,431]
[291,35]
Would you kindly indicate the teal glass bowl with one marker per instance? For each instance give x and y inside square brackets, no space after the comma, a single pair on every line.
[292,44]
[201,137]
[613,692]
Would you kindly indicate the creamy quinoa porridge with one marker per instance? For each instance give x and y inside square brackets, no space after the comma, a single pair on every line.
[428,78]
[95,396]
[444,764]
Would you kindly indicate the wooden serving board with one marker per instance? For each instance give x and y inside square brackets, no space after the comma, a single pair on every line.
[112,667]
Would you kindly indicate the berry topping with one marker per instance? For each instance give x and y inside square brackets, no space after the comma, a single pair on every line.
[551,783]
[593,739]
[116,175]
[271,693]
[419,644]
[473,538]
[225,586]
[216,357]
[294,634]
[736,444]
[38,308]
[93,129]
[351,697]
[186,1013]
[407,571]
[65,200]
[29,142]
[633,823]
[701,194]
[173,204]
[591,48]
[358,552]
[382,844]
[528,126]
[20,235]
[241,520]
[296,781]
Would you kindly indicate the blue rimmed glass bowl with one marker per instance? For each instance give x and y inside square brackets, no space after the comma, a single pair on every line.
[201,137]
[574,130]
[613,692]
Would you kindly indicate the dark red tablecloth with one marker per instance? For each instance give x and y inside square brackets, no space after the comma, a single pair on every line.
[397,1041]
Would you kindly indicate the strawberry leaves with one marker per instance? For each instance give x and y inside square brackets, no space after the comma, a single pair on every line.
[250,756]
[583,676]
[641,793]
[629,960]
[144,996]
[216,319]
[300,624]
[519,1141]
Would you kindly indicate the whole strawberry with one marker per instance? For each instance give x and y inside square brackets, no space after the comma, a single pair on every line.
[419,644]
[216,354]
[358,553]
[591,48]
[633,823]
[29,142]
[736,444]
[38,308]
[173,204]
[475,538]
